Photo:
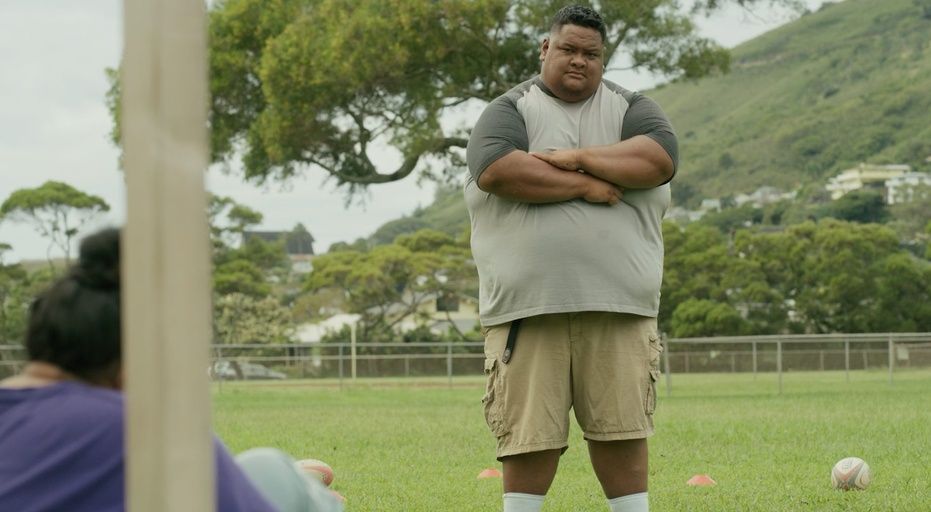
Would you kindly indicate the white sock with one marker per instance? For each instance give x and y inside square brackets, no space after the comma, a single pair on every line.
[630,503]
[520,502]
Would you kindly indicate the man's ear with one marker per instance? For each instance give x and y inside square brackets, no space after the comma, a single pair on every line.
[544,48]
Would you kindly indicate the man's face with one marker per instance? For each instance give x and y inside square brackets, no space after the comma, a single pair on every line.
[573,62]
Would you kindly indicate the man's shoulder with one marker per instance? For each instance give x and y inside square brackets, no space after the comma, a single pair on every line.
[628,95]
[517,92]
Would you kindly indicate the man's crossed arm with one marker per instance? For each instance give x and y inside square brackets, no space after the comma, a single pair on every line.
[638,162]
[518,176]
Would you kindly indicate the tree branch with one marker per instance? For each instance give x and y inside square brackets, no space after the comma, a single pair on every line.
[406,167]
[455,327]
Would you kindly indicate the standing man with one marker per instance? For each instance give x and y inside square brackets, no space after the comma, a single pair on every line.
[569,184]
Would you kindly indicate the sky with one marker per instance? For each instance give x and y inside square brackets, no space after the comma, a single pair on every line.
[54,124]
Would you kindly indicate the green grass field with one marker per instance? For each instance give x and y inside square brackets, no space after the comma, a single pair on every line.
[418,445]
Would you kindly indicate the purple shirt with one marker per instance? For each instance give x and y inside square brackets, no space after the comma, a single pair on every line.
[61,448]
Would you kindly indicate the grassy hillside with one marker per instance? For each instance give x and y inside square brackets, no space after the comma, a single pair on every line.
[447,213]
[847,84]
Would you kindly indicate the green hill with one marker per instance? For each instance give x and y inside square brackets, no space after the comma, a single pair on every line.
[850,83]
[447,213]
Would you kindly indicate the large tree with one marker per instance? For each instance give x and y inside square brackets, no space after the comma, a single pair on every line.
[842,276]
[244,319]
[229,221]
[702,272]
[56,210]
[391,282]
[300,84]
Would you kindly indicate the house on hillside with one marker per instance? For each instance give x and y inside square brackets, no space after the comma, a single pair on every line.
[438,312]
[456,311]
[763,196]
[299,245]
[710,205]
[682,216]
[864,176]
[314,332]
[902,189]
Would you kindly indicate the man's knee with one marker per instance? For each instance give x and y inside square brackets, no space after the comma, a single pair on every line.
[530,473]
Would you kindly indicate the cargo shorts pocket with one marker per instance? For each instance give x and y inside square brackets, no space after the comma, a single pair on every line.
[656,350]
[492,401]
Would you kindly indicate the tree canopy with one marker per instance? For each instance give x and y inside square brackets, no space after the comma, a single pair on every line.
[390,282]
[297,84]
[824,277]
[56,210]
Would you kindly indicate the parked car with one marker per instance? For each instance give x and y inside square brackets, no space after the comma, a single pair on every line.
[236,370]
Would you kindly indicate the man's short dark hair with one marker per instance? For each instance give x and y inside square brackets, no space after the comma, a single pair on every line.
[75,323]
[582,16]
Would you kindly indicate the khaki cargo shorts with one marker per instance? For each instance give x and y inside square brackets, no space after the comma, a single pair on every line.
[602,365]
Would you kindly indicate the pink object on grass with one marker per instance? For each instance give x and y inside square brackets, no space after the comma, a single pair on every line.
[490,473]
[701,480]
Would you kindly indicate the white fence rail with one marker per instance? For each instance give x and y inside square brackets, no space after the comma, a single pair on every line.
[751,354]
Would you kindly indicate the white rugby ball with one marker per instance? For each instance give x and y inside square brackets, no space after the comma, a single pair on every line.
[851,473]
[317,469]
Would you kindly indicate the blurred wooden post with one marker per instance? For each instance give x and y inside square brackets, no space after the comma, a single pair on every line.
[166,257]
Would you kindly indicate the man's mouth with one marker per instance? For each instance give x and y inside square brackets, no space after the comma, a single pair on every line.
[575,74]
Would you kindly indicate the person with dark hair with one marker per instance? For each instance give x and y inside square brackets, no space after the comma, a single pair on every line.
[61,418]
[568,186]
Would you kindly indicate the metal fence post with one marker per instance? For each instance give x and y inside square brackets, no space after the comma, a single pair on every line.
[668,371]
[779,363]
[449,362]
[754,360]
[341,366]
[352,340]
[891,358]
[847,359]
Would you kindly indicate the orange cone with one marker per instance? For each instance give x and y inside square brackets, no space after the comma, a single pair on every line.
[701,480]
[490,473]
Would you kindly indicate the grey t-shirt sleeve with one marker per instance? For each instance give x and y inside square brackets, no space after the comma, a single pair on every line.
[645,117]
[499,130]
